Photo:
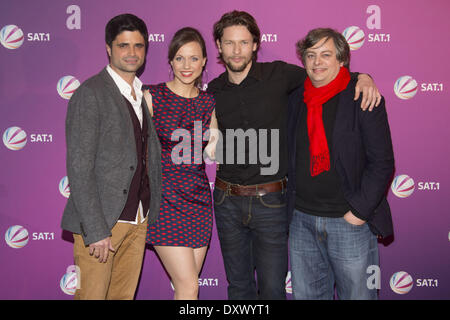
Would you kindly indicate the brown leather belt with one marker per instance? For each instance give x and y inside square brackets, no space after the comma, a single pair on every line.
[250,190]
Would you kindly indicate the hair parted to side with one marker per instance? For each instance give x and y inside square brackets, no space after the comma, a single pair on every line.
[238,18]
[125,22]
[180,38]
[316,35]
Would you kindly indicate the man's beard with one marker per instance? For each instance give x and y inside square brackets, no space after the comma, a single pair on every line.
[238,68]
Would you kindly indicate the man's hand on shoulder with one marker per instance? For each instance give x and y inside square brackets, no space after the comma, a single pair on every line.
[371,97]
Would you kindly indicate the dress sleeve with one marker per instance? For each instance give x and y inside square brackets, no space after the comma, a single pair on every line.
[153,90]
[149,87]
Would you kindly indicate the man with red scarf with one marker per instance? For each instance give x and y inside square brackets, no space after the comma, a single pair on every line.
[340,165]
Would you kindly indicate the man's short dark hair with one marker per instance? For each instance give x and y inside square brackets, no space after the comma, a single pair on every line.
[238,18]
[315,35]
[125,22]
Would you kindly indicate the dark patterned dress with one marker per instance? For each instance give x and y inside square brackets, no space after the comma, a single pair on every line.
[185,217]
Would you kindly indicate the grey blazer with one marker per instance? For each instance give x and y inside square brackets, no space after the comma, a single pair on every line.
[102,157]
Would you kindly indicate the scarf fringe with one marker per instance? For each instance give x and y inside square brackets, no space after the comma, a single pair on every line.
[320,163]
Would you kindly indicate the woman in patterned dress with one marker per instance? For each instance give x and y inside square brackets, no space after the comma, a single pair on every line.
[182,114]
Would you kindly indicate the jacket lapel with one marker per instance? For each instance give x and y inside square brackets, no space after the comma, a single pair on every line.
[296,107]
[299,108]
[147,115]
[117,96]
[344,116]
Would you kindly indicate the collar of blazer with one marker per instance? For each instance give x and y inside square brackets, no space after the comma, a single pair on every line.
[117,96]
[120,99]
[111,86]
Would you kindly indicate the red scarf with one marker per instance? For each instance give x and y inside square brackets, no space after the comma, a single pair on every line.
[314,99]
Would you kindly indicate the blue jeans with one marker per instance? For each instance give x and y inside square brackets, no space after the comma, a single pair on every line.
[253,234]
[330,251]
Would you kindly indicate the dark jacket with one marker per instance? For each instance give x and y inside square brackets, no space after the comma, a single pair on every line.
[102,159]
[362,156]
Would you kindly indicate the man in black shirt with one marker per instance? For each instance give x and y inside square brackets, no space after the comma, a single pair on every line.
[250,195]
[340,165]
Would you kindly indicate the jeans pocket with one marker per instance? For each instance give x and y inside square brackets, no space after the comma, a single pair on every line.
[353,225]
[219,196]
[273,200]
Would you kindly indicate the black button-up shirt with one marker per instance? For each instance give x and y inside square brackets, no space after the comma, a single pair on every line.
[258,105]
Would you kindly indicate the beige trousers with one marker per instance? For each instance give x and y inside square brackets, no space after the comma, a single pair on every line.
[116,279]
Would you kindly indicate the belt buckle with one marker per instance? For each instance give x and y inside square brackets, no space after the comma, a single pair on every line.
[228,191]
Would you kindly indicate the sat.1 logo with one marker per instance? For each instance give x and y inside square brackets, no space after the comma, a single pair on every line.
[11,37]
[64,187]
[14,138]
[66,86]
[355,37]
[402,186]
[405,87]
[16,237]
[401,282]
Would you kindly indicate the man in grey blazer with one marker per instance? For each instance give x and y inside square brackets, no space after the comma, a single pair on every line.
[114,168]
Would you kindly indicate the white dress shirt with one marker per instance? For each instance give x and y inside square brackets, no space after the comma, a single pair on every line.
[125,89]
